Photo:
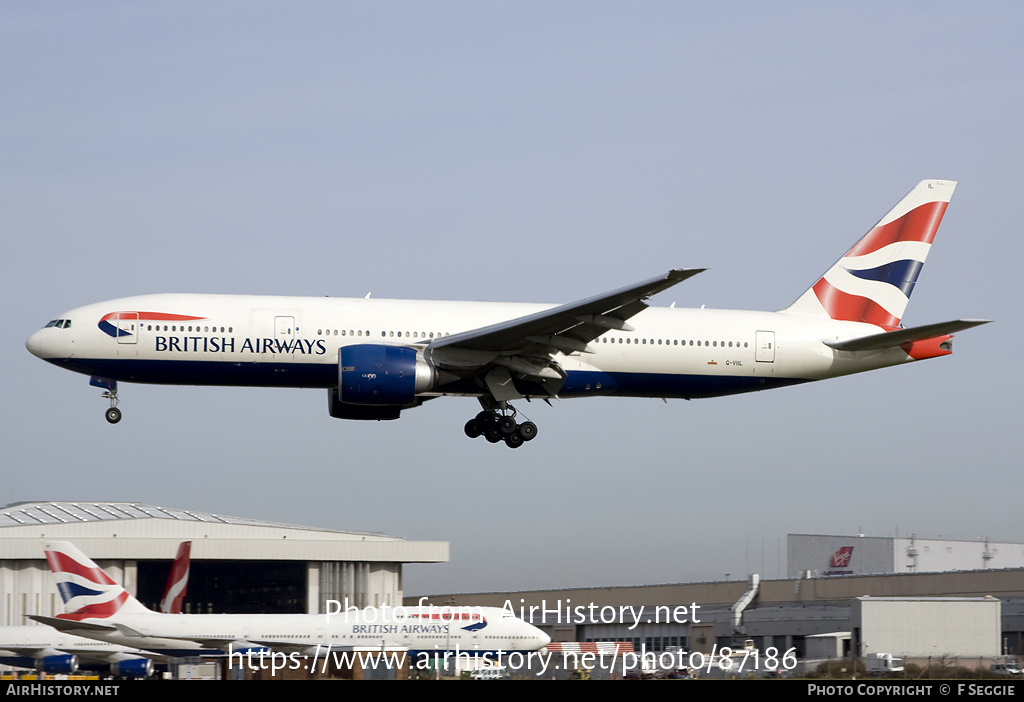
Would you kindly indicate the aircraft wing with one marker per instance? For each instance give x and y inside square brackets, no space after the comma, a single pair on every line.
[526,346]
[566,328]
[902,336]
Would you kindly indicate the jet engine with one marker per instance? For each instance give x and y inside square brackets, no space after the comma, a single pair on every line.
[132,668]
[58,665]
[377,374]
[377,381]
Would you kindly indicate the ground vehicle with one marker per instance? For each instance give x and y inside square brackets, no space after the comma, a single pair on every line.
[881,663]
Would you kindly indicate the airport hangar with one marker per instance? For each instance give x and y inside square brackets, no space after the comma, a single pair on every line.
[237,565]
[809,612]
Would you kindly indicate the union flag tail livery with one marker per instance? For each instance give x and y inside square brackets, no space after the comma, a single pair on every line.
[88,592]
[872,282]
[377,358]
[177,581]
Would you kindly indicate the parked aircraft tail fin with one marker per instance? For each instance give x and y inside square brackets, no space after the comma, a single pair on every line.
[88,592]
[177,581]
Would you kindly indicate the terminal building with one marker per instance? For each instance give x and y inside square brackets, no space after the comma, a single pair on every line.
[819,613]
[237,565]
[813,555]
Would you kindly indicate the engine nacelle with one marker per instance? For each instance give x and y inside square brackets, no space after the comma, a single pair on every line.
[382,375]
[132,668]
[342,410]
[57,665]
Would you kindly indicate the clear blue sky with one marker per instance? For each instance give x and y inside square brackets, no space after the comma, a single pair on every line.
[527,151]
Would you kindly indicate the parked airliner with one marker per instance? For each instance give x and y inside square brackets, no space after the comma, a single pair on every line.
[378,357]
[98,608]
[58,652]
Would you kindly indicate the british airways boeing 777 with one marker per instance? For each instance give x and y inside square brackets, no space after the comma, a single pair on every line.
[376,358]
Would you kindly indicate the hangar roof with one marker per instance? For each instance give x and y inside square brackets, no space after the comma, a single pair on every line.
[135,530]
[31,513]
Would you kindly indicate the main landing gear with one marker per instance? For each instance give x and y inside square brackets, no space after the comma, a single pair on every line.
[498,425]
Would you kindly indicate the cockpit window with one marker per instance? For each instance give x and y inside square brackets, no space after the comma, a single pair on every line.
[52,323]
[59,323]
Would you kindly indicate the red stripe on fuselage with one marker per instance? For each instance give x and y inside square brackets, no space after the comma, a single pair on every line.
[152,316]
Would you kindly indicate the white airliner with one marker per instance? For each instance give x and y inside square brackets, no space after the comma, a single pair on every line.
[58,652]
[379,357]
[98,608]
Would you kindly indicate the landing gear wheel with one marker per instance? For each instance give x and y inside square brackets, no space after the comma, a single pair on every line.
[113,415]
[497,422]
[514,440]
[528,430]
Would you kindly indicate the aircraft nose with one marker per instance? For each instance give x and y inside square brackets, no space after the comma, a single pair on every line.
[35,344]
[544,638]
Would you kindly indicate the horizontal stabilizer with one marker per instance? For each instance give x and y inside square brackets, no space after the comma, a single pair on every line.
[70,625]
[903,336]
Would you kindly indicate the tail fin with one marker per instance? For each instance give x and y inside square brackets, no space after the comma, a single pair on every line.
[88,592]
[873,281]
[177,581]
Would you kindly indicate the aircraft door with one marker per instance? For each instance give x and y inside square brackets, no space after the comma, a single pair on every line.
[764,346]
[127,327]
[284,329]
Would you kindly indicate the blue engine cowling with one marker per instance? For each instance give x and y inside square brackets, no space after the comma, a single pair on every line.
[57,665]
[132,668]
[342,410]
[378,374]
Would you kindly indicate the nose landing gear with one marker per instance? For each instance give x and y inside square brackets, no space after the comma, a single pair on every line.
[113,414]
